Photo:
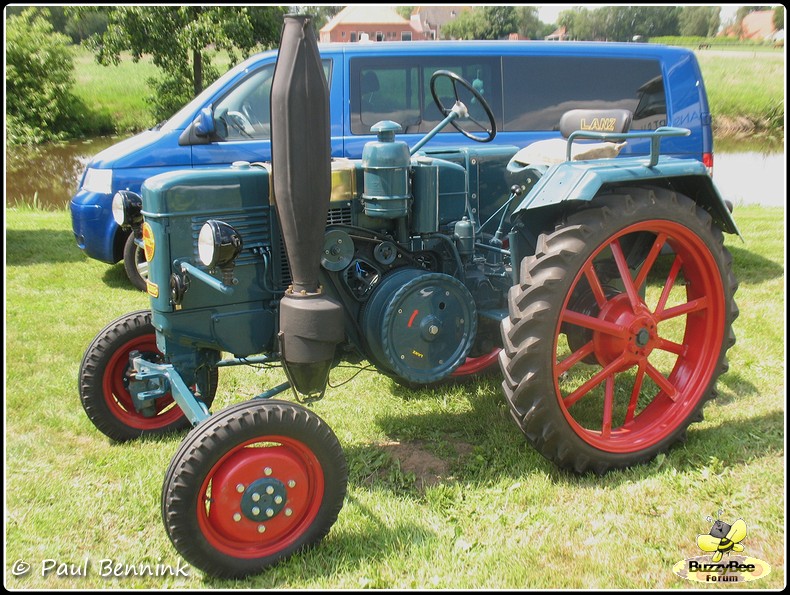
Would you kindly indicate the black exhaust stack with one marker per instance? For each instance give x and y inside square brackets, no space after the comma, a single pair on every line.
[311,324]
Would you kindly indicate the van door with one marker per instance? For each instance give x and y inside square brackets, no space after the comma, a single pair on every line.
[242,121]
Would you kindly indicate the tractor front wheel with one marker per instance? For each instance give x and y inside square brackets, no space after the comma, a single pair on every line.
[252,485]
[104,382]
[618,329]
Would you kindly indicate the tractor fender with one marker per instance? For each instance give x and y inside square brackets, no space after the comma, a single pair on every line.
[583,180]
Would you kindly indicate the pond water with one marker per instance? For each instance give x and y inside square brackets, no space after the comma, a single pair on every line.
[48,175]
[751,177]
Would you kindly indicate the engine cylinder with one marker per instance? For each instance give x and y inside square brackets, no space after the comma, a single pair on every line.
[425,213]
[420,325]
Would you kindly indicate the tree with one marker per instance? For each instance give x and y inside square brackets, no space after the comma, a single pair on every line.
[178,39]
[40,104]
[620,23]
[321,14]
[405,11]
[64,19]
[699,21]
[778,18]
[582,24]
[82,25]
[487,22]
[529,24]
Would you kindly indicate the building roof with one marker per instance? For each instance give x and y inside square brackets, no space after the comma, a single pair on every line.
[560,33]
[365,15]
[758,24]
[438,15]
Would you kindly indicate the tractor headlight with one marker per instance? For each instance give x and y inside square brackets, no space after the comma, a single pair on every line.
[127,208]
[218,244]
[98,180]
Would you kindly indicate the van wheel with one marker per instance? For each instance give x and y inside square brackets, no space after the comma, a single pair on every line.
[618,330]
[135,264]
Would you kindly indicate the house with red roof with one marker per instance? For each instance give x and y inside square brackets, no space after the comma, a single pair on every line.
[371,23]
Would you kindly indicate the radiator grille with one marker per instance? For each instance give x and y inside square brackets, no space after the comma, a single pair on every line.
[253,226]
[336,216]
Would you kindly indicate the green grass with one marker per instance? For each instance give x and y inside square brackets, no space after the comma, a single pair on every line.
[118,90]
[121,90]
[485,511]
[745,85]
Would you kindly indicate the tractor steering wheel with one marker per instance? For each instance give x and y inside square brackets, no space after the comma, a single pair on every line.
[490,129]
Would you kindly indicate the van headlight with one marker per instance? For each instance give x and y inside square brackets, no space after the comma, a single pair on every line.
[218,244]
[127,208]
[98,180]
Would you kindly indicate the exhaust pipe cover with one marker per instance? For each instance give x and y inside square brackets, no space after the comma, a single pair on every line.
[311,323]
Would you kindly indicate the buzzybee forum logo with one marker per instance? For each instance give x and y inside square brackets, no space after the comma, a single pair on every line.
[723,539]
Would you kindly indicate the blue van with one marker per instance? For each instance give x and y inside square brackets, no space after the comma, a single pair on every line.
[529,86]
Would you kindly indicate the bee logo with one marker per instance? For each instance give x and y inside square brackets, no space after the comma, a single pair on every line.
[723,538]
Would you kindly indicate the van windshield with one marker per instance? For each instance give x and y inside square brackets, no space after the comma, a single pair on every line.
[183,117]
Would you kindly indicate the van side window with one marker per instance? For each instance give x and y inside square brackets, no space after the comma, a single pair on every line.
[539,89]
[389,94]
[388,89]
[244,113]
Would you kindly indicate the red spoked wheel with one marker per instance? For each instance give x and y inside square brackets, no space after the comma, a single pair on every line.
[619,330]
[104,382]
[252,485]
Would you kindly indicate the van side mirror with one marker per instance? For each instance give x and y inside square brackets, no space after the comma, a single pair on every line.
[200,131]
[204,123]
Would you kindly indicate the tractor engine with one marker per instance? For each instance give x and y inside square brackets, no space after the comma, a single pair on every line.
[408,270]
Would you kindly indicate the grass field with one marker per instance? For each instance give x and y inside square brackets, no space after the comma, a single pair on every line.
[443,491]
[121,90]
[745,84]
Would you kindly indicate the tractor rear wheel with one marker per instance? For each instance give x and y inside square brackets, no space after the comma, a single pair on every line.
[618,330]
[104,384]
[252,485]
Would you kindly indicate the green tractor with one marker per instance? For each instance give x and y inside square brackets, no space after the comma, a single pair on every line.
[599,288]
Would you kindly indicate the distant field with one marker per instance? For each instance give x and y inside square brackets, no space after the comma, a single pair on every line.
[744,84]
[120,90]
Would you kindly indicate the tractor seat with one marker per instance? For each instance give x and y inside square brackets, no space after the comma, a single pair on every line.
[554,150]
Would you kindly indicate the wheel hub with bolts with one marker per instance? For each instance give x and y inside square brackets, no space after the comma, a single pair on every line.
[260,490]
[263,499]
[637,339]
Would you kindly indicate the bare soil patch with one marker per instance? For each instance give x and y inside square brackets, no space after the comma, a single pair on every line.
[428,468]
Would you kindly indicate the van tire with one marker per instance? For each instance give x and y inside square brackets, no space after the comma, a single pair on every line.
[135,264]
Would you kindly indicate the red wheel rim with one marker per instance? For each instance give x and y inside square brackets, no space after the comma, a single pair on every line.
[224,519]
[117,395]
[475,365]
[657,341]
